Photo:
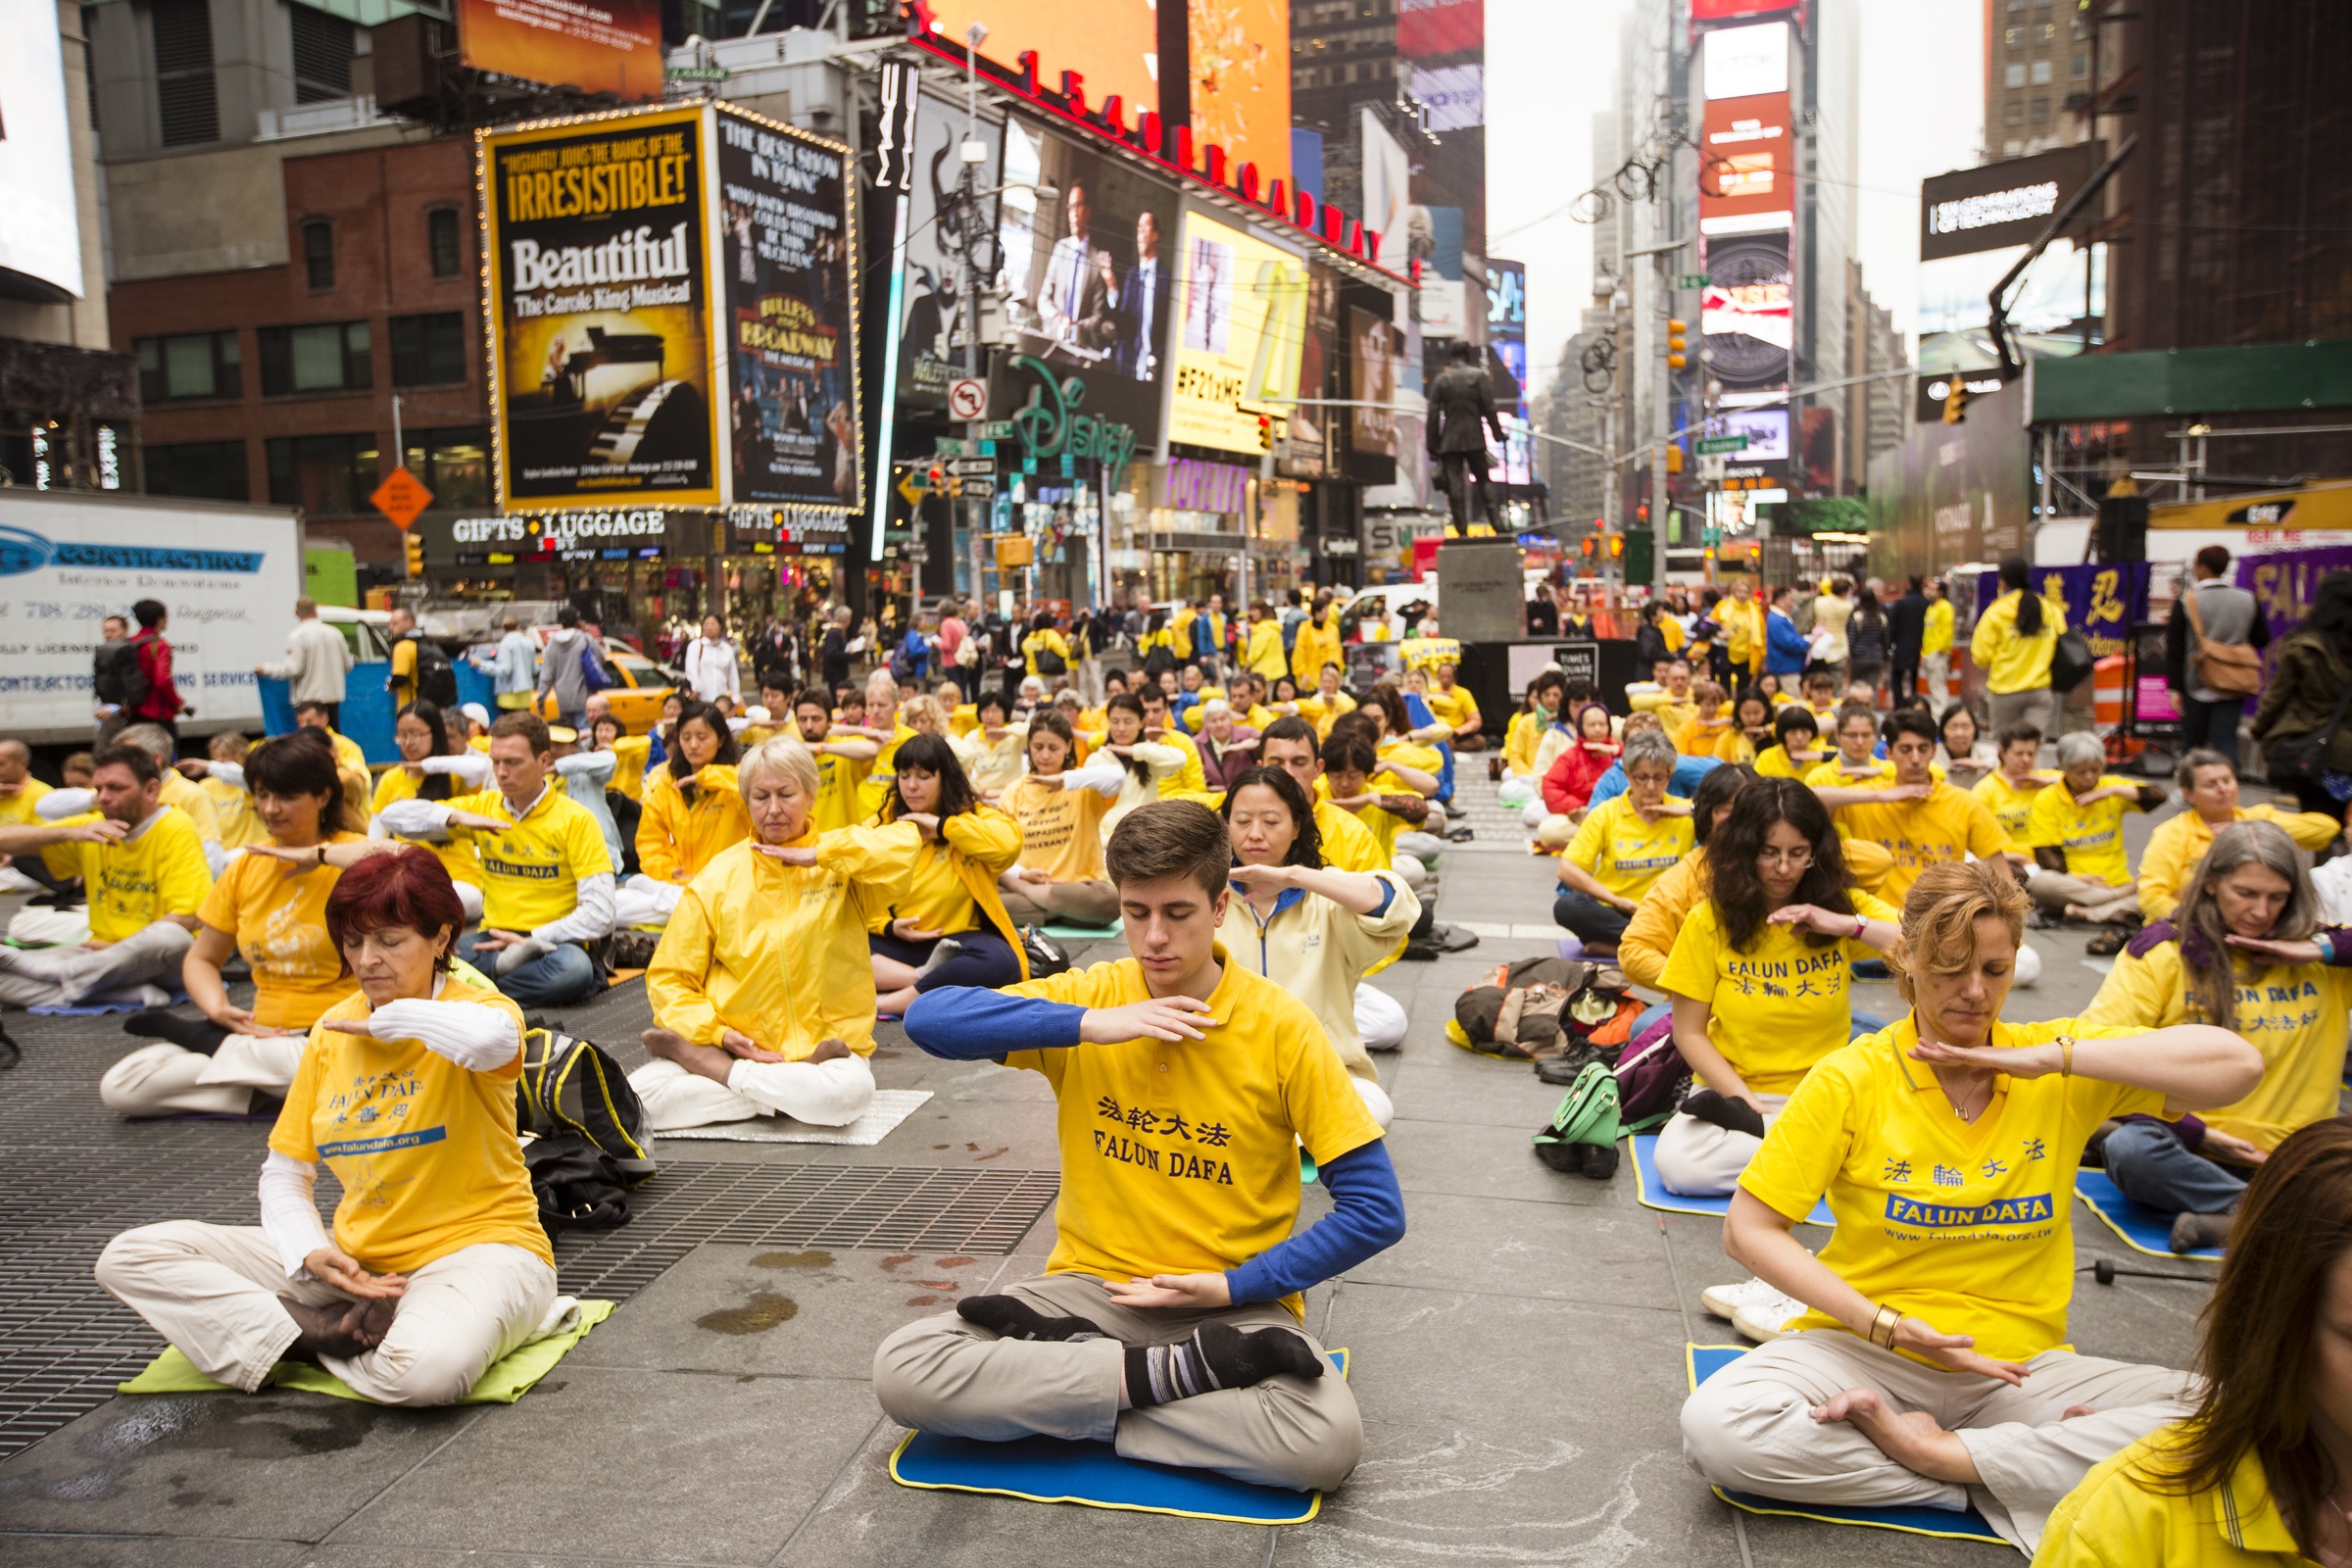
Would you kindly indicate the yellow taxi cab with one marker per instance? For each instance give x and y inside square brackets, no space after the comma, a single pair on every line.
[635,685]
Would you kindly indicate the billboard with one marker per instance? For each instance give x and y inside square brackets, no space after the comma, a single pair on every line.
[602,338]
[1308,454]
[1241,80]
[41,224]
[609,46]
[1744,310]
[1999,205]
[1743,62]
[1766,430]
[1954,493]
[1374,348]
[1728,10]
[1427,27]
[1746,169]
[1089,275]
[790,260]
[1388,180]
[1241,307]
[936,221]
[1113,44]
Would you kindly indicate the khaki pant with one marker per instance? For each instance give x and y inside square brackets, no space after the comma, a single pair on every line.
[823,1094]
[1936,678]
[213,1291]
[2101,903]
[72,977]
[162,1079]
[1090,903]
[1701,1160]
[1750,1428]
[944,1375]
[2037,706]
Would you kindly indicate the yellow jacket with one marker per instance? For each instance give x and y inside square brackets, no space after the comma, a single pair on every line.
[778,952]
[1937,637]
[1323,713]
[1315,646]
[629,756]
[674,840]
[953,880]
[2011,661]
[1520,739]
[2127,1510]
[2181,842]
[1265,656]
[1038,642]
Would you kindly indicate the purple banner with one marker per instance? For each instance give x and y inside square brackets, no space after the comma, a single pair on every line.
[2102,600]
[2283,584]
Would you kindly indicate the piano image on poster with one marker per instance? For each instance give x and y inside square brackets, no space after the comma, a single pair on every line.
[609,409]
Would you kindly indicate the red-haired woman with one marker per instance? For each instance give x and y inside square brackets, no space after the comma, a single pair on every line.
[437,1266]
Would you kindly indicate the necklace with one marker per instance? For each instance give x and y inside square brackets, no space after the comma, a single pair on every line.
[1966,1113]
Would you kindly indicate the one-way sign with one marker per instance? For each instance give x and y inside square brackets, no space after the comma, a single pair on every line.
[972,467]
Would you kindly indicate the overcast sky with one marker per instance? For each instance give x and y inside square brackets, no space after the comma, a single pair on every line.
[1550,66]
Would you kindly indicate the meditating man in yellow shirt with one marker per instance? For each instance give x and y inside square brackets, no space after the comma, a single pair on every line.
[1455,708]
[2010,790]
[1168,1319]
[142,867]
[763,990]
[2208,783]
[437,1265]
[20,793]
[547,875]
[2260,1474]
[1921,820]
[2077,837]
[1930,1369]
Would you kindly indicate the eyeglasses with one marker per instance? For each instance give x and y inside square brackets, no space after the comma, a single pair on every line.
[1795,860]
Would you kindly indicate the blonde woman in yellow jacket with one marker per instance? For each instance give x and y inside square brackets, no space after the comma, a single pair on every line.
[761,988]
[2016,636]
[949,928]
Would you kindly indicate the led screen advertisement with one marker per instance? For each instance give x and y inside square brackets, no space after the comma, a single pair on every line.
[1309,454]
[601,344]
[40,230]
[609,46]
[789,256]
[1373,350]
[1089,273]
[1743,62]
[1744,310]
[1240,90]
[936,222]
[1241,308]
[1113,44]
[1744,166]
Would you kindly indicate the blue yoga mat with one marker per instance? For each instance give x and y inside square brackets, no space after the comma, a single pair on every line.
[1703,1361]
[95,1009]
[2140,1228]
[1652,1193]
[1094,1476]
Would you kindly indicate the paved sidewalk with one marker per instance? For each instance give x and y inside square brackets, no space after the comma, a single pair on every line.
[1518,1357]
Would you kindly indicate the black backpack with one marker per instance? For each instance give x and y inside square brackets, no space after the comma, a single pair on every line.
[117,675]
[436,677]
[571,1091]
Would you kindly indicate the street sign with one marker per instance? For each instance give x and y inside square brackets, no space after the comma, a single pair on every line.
[996,431]
[1710,444]
[972,467]
[967,398]
[1692,280]
[401,497]
[950,446]
[915,486]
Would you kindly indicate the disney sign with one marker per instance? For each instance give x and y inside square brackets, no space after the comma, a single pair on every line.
[1049,425]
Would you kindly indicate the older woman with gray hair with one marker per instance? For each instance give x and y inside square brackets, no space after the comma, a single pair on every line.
[2244,951]
[2075,834]
[1623,846]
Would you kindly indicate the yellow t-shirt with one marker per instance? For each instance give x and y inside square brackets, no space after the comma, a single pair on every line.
[1774,761]
[1778,1006]
[1625,854]
[456,855]
[2180,841]
[2297,1015]
[159,870]
[1839,773]
[531,869]
[1188,779]
[1182,1158]
[1452,709]
[1648,939]
[16,811]
[280,924]
[1966,1225]
[2011,806]
[1937,636]
[1945,828]
[2128,1513]
[426,1150]
[232,808]
[1061,830]
[1733,746]
[2093,836]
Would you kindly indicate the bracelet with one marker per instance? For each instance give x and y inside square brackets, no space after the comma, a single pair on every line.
[1882,1327]
[1860,925]
[2066,1056]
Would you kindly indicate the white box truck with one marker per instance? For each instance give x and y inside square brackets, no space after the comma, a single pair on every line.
[229,574]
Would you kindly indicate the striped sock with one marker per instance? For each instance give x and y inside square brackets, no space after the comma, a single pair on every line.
[1218,1356]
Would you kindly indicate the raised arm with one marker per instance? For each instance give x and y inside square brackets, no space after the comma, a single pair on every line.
[2195,1066]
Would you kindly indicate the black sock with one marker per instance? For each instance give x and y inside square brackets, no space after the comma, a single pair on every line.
[1732,1115]
[200,1035]
[1218,1356]
[1017,1319]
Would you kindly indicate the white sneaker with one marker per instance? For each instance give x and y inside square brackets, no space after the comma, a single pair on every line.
[1755,1308]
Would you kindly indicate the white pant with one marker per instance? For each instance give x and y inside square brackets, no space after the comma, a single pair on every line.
[644,902]
[162,1079]
[212,1291]
[70,977]
[472,898]
[1750,1428]
[823,1094]
[1701,1160]
[1380,1019]
[1375,1101]
[1423,846]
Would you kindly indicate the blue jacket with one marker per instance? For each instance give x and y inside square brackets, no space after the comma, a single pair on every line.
[1785,648]
[1687,771]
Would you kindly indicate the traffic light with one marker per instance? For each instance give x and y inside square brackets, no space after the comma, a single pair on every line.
[1592,546]
[1955,402]
[1265,434]
[1616,546]
[416,554]
[1641,512]
[1674,328]
[1674,460]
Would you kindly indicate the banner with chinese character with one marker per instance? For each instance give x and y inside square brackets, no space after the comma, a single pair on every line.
[2102,600]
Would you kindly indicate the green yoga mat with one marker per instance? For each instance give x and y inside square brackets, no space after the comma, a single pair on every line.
[504,1381]
[1086,933]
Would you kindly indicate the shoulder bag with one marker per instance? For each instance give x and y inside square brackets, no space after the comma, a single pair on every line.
[2231,668]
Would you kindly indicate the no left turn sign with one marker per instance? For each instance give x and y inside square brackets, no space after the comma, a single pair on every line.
[967,398]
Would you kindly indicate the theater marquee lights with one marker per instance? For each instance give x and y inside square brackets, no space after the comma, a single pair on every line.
[1141,130]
